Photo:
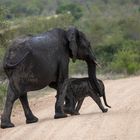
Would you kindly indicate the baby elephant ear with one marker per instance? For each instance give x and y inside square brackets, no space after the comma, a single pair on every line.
[72,37]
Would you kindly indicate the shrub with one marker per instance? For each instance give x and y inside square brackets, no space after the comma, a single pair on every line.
[127,60]
[75,10]
[3,13]
[3,90]
[40,24]
[79,67]
[2,52]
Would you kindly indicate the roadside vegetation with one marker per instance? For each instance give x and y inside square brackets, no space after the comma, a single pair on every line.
[3,88]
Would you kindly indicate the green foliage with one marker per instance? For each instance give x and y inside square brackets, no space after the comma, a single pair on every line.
[37,25]
[131,27]
[3,90]
[109,28]
[3,13]
[27,8]
[79,67]
[75,10]
[127,60]
[2,52]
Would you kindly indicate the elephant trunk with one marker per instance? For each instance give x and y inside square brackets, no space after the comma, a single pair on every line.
[92,76]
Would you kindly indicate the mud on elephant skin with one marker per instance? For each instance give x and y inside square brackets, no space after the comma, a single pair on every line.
[34,62]
[76,89]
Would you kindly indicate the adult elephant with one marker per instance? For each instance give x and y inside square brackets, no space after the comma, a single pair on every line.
[34,62]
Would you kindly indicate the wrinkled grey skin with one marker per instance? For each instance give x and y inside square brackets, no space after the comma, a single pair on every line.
[35,62]
[76,89]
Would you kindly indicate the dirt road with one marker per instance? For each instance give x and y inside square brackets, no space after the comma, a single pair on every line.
[121,122]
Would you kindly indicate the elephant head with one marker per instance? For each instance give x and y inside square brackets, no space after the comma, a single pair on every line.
[81,49]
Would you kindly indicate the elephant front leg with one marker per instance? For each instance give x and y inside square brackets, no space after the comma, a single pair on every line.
[5,118]
[79,104]
[30,118]
[62,75]
[59,113]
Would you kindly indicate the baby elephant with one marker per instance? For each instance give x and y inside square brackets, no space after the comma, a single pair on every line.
[76,89]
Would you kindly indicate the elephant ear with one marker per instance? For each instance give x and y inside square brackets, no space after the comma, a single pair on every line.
[72,36]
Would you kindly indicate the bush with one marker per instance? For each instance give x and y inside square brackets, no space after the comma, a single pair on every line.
[3,13]
[40,24]
[75,10]
[131,27]
[127,60]
[2,52]
[3,90]
[79,67]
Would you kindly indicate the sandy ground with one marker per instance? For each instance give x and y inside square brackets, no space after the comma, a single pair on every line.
[121,122]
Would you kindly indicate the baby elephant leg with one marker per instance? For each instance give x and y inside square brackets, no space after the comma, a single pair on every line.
[98,102]
[70,109]
[73,111]
[78,106]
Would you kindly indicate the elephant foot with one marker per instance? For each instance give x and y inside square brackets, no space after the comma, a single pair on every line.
[71,112]
[60,115]
[68,111]
[105,110]
[75,113]
[32,120]
[7,125]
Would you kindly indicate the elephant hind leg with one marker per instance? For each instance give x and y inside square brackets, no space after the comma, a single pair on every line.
[78,106]
[5,119]
[98,102]
[30,118]
[69,107]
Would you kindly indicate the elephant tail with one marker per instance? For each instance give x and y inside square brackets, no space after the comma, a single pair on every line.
[7,65]
[17,52]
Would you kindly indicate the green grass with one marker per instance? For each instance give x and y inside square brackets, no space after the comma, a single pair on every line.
[3,89]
